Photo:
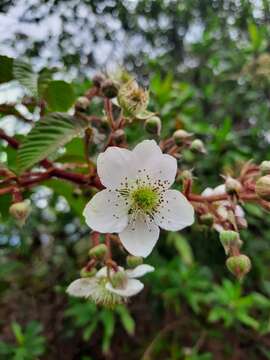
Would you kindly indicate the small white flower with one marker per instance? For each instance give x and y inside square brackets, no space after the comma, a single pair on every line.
[100,290]
[223,206]
[136,201]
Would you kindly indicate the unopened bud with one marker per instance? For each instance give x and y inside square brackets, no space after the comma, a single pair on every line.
[119,136]
[87,273]
[98,80]
[20,211]
[109,88]
[180,136]
[198,145]
[239,265]
[133,261]
[153,125]
[232,186]
[265,167]
[119,279]
[229,238]
[82,103]
[207,219]
[186,175]
[98,251]
[262,187]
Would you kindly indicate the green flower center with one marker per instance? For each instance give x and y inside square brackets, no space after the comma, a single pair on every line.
[145,199]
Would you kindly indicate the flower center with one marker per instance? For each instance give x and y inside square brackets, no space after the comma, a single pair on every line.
[145,199]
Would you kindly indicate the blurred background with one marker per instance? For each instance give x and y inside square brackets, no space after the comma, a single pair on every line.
[207,64]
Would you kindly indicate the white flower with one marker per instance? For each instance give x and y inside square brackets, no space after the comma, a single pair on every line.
[224,206]
[136,200]
[100,290]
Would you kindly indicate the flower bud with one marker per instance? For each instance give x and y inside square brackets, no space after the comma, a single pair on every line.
[180,136]
[262,187]
[186,175]
[109,88]
[265,167]
[98,251]
[153,125]
[198,145]
[239,265]
[232,185]
[20,211]
[87,273]
[207,219]
[119,279]
[229,238]
[132,98]
[98,80]
[133,261]
[82,103]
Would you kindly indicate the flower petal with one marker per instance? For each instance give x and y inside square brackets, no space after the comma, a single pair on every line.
[139,271]
[150,161]
[175,212]
[132,288]
[103,271]
[106,212]
[82,287]
[140,236]
[207,191]
[114,165]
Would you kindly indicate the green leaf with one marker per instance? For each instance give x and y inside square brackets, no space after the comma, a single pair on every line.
[50,133]
[59,95]
[6,66]
[126,320]
[108,320]
[24,73]
[182,246]
[44,79]
[254,35]
[17,331]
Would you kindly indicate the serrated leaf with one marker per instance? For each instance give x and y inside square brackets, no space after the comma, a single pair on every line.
[50,133]
[6,66]
[59,95]
[24,73]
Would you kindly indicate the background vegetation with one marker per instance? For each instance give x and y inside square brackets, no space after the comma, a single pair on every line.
[207,64]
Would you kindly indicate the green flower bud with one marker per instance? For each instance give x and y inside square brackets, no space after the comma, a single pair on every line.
[132,98]
[133,261]
[98,251]
[262,187]
[109,89]
[239,265]
[232,185]
[265,167]
[186,175]
[82,103]
[87,273]
[20,211]
[119,279]
[198,145]
[229,238]
[207,219]
[180,136]
[153,125]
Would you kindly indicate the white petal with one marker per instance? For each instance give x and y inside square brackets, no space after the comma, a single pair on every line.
[103,271]
[239,212]
[139,271]
[219,190]
[150,161]
[114,165]
[208,191]
[175,212]
[106,212]
[82,287]
[132,288]
[140,237]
